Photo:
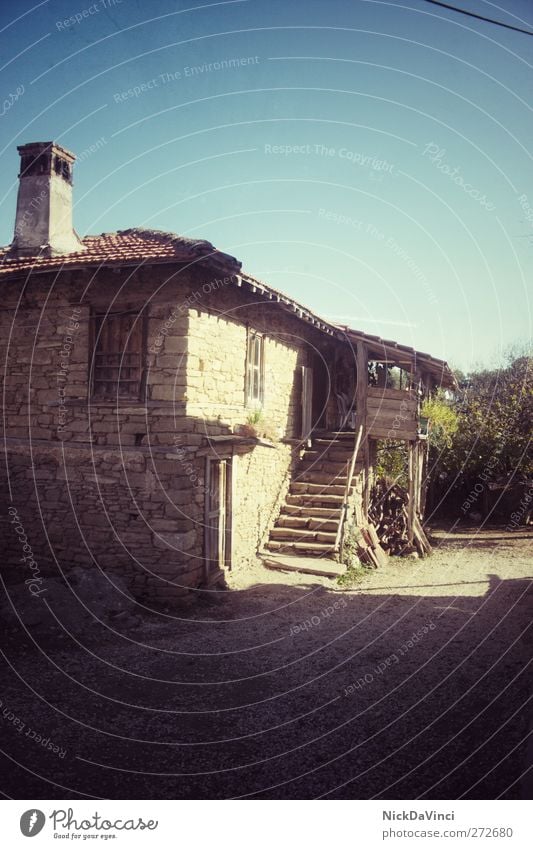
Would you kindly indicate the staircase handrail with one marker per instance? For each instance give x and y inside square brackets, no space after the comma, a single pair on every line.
[344,506]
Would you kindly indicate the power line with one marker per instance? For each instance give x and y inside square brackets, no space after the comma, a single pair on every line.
[479,17]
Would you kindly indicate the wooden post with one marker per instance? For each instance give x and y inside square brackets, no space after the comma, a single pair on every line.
[361,393]
[411,511]
[370,462]
[423,477]
[361,386]
[424,450]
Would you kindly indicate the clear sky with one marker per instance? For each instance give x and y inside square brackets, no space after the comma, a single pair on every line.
[372,159]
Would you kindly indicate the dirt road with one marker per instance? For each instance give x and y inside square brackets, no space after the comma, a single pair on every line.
[413,685]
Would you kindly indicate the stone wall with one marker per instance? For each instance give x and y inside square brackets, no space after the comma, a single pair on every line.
[217,348]
[261,480]
[120,485]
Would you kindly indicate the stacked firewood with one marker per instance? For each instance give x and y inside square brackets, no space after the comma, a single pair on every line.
[388,512]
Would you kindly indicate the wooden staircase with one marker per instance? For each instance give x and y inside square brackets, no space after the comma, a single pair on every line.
[309,519]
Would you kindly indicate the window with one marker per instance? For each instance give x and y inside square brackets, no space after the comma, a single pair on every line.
[117,365]
[255,369]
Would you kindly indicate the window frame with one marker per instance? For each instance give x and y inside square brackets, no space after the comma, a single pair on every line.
[97,318]
[257,339]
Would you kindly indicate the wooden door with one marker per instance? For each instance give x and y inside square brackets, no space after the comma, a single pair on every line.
[218,515]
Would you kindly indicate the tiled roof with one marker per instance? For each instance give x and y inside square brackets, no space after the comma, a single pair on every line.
[139,246]
[378,347]
[126,247]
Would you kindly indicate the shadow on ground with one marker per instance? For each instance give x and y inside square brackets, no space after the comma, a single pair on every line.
[278,691]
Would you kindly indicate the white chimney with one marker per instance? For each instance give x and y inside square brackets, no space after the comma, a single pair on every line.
[43,225]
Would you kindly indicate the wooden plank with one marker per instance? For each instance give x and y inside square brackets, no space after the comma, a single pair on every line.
[400,421]
[380,392]
[381,557]
[392,433]
[389,414]
[419,530]
[373,403]
[366,536]
[399,417]
[372,556]
[419,545]
[374,539]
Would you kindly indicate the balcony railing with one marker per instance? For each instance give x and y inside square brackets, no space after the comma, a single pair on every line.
[391,414]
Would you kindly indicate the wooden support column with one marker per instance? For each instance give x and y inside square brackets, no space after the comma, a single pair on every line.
[361,393]
[423,477]
[411,506]
[369,476]
[361,390]
[424,450]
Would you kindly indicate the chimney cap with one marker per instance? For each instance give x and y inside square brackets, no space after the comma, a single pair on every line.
[41,147]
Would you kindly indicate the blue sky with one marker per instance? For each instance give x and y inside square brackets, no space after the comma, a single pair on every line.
[371,159]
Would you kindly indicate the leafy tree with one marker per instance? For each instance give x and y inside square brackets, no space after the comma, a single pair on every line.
[444,421]
[483,432]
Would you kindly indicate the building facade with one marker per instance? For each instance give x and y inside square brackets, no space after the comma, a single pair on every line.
[161,407]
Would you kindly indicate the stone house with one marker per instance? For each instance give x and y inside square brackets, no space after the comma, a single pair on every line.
[167,416]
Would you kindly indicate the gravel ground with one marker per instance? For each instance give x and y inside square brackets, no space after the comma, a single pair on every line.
[415,684]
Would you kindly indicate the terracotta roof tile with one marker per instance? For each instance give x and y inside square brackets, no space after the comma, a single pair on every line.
[123,247]
[128,247]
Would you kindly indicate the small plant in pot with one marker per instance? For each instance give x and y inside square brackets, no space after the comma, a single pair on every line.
[252,425]
[258,427]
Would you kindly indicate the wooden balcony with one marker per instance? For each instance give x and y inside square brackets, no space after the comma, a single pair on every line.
[391,414]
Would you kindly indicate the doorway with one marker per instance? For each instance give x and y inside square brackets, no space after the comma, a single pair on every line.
[218,516]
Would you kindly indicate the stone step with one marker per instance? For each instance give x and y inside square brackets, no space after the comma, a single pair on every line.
[328,455]
[305,522]
[308,565]
[311,548]
[343,434]
[314,464]
[299,535]
[307,499]
[341,445]
[334,436]
[325,478]
[306,511]
[316,488]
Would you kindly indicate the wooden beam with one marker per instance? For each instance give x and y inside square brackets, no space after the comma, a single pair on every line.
[424,449]
[420,449]
[361,391]
[411,513]
[370,462]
